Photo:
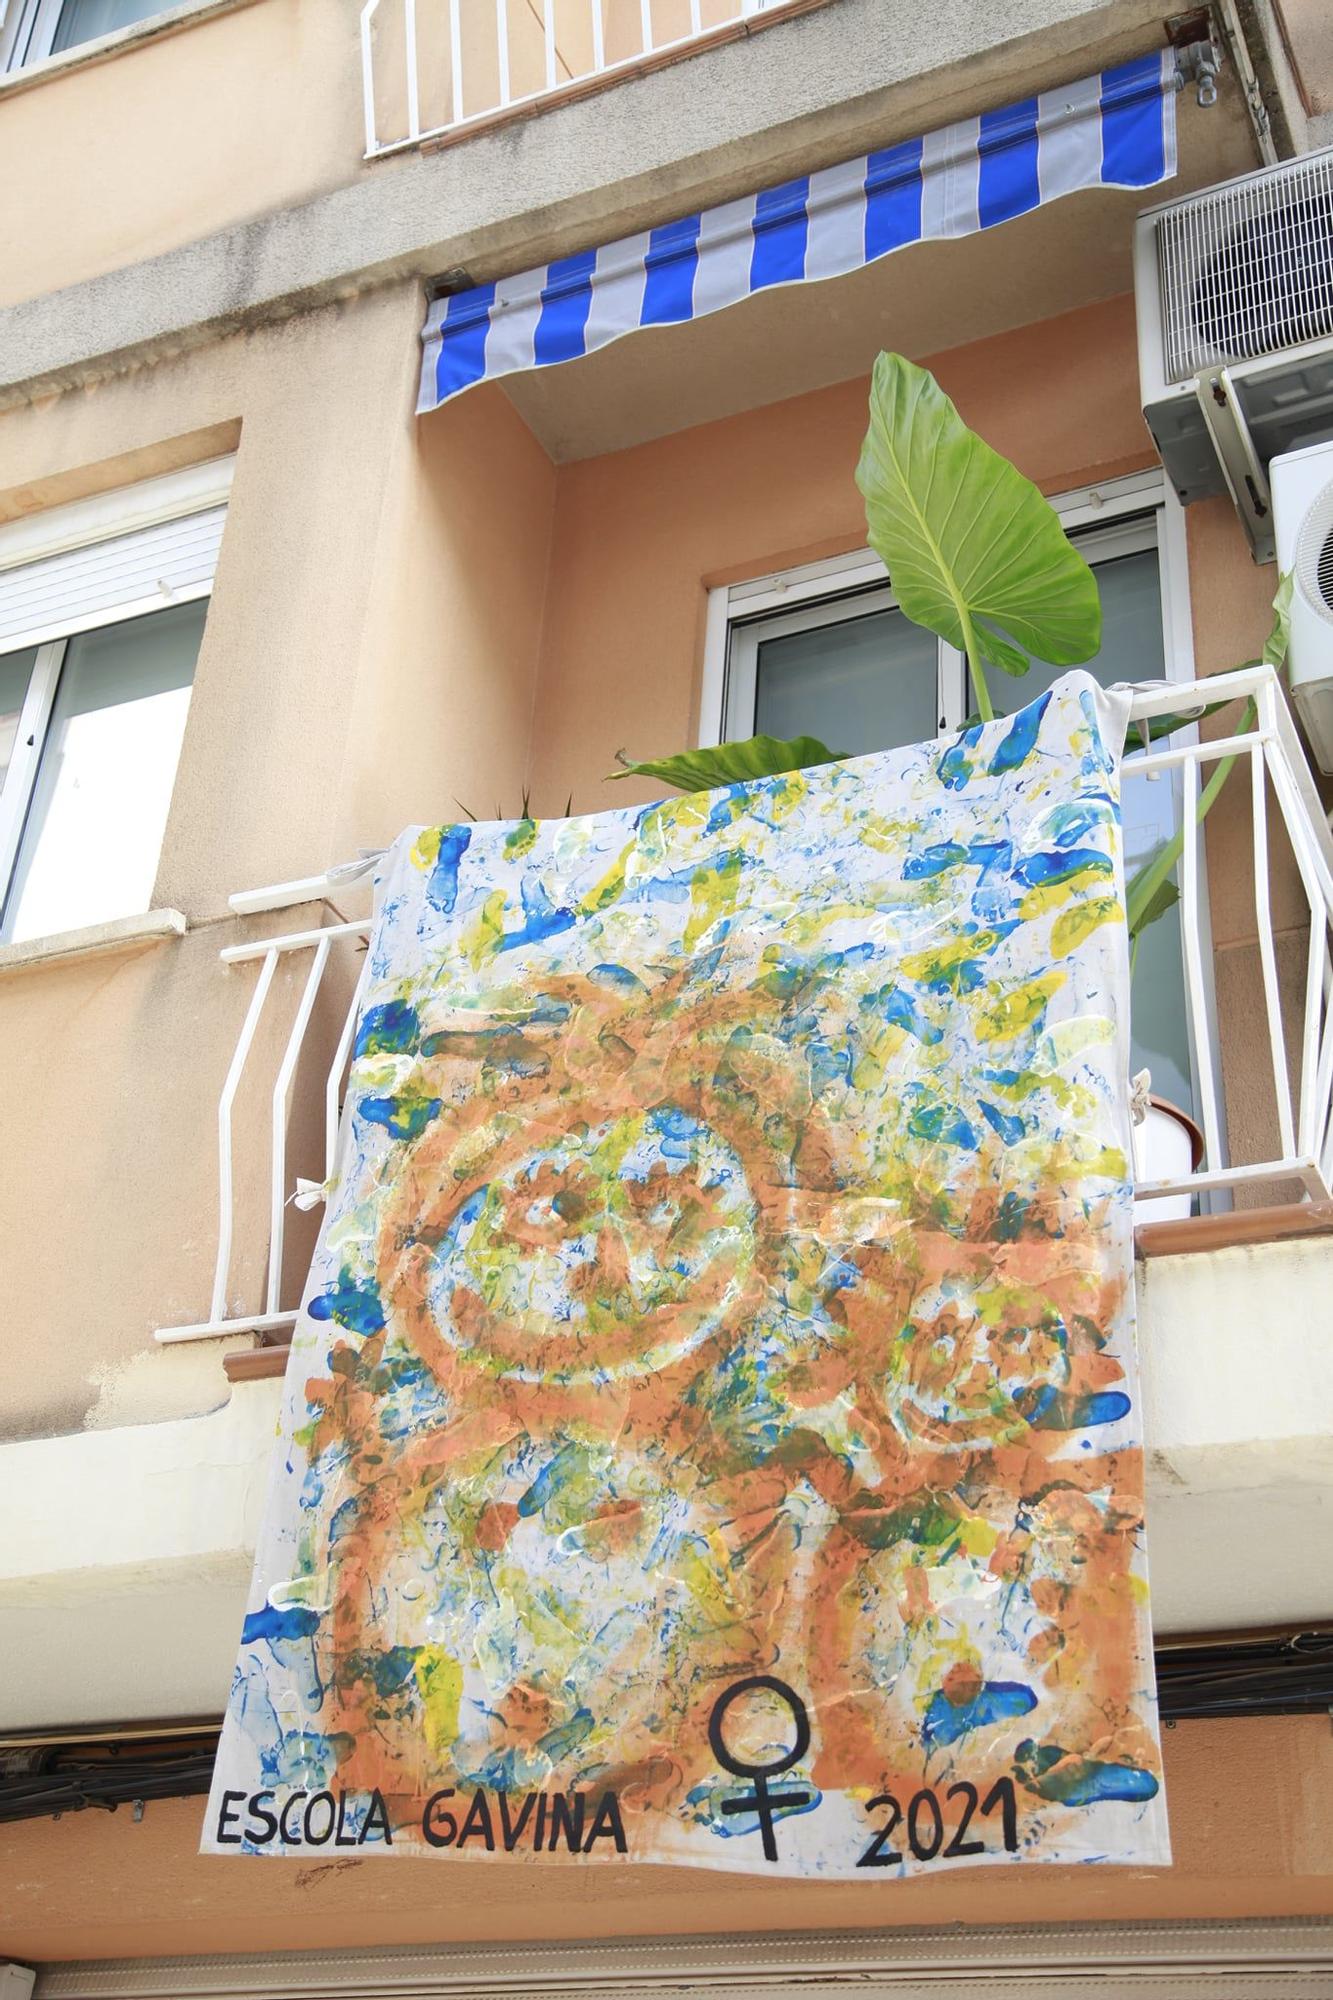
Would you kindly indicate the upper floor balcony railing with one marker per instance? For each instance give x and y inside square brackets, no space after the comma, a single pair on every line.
[437,67]
[1290,1060]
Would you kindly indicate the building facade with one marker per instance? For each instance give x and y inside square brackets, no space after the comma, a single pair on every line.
[257,615]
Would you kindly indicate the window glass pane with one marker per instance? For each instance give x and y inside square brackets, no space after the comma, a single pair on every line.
[15,673]
[859,684]
[94,830]
[81,20]
[1132,651]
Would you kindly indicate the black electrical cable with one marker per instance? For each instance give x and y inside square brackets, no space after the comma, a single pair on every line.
[1286,1674]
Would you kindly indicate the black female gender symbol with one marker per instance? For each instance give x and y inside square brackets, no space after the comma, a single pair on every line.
[761,1800]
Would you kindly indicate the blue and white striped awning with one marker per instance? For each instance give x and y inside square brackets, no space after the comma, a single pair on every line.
[1113,130]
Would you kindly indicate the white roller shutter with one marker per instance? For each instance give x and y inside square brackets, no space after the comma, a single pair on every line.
[96,562]
[1257,1959]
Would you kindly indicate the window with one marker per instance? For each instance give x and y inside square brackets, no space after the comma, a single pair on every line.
[41,28]
[101,614]
[824,651]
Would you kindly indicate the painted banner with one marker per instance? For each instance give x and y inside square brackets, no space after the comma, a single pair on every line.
[712,1431]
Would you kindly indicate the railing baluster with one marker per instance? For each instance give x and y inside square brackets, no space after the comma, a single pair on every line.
[548,30]
[646,25]
[410,56]
[218,1306]
[1200,1032]
[368,13]
[1268,955]
[334,1078]
[502,47]
[598,38]
[696,18]
[1308,1135]
[1317,878]
[291,1055]
[456,61]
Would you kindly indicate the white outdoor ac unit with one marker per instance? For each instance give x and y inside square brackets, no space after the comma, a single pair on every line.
[1234,289]
[1302,484]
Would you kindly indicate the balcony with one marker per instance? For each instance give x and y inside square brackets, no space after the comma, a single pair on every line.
[137,1541]
[1287,1148]
[442,68]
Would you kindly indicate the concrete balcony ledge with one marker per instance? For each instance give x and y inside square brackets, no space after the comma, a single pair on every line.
[132,1547]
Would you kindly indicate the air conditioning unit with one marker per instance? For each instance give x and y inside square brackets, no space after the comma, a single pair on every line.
[1234,290]
[1302,484]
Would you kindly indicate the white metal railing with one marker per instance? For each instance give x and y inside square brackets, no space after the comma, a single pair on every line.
[1278,777]
[435,66]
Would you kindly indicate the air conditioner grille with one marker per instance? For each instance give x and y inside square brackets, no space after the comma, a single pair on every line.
[1314,554]
[1248,269]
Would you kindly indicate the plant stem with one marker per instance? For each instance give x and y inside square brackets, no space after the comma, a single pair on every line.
[975,668]
[1150,878]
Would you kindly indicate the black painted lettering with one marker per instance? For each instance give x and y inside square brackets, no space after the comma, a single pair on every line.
[541,1823]
[312,1838]
[287,1833]
[606,1824]
[925,1845]
[268,1821]
[226,1818]
[377,1820]
[511,1830]
[959,1845]
[478,1822]
[1002,1794]
[879,1854]
[439,1829]
[341,1836]
[567,1818]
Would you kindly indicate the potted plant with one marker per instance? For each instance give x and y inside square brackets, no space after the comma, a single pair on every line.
[978,556]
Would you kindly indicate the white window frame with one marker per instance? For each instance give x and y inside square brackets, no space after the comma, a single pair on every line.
[170,497]
[29,29]
[1142,506]
[1129,514]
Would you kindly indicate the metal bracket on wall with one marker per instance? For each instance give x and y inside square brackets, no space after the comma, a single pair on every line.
[1242,467]
[1198,59]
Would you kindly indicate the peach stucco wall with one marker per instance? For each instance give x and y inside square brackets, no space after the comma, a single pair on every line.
[1250,1802]
[641,534]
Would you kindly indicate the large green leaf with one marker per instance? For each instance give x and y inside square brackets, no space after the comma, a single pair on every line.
[733,763]
[1279,636]
[973,549]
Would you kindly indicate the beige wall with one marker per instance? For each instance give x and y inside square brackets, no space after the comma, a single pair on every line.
[368,658]
[106,162]
[1251,1805]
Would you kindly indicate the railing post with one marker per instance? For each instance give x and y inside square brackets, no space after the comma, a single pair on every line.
[368,75]
[548,34]
[502,48]
[1198,1002]
[456,61]
[410,58]
[277,1227]
[218,1307]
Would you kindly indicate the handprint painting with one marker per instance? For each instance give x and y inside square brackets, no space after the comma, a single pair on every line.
[712,1431]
